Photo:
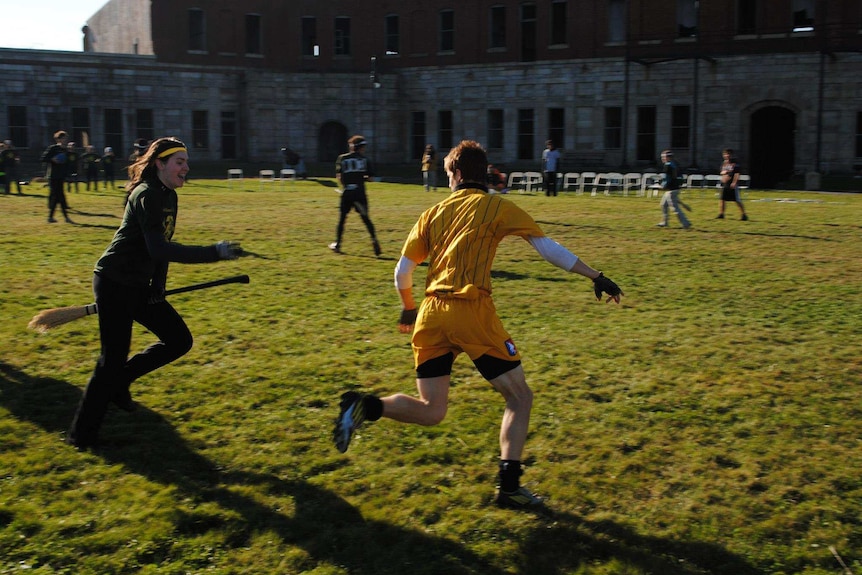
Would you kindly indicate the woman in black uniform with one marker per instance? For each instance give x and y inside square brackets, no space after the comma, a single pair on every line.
[129,284]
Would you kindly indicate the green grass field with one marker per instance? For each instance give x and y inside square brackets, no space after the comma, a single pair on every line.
[711,423]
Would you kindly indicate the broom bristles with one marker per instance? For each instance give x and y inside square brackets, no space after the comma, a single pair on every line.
[50,318]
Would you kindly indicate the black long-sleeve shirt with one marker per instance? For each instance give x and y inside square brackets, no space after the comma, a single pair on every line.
[142,246]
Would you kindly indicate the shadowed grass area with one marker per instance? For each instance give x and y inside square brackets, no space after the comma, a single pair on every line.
[711,423]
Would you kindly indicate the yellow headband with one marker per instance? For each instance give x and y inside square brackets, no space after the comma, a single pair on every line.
[173,150]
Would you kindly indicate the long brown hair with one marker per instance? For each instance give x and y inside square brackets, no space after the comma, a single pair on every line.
[144,168]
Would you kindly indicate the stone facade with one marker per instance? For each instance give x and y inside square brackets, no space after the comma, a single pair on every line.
[785,111]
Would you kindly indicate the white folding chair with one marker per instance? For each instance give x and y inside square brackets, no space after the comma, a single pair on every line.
[265,176]
[286,174]
[599,182]
[694,182]
[615,182]
[631,181]
[647,180]
[534,181]
[234,174]
[571,179]
[516,181]
[588,180]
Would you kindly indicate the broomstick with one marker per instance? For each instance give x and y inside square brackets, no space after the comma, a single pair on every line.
[50,318]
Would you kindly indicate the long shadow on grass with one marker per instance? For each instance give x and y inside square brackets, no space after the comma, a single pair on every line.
[317,520]
[327,527]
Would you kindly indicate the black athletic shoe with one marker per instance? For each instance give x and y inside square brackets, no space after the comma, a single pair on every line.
[522,498]
[719,217]
[744,218]
[377,250]
[349,419]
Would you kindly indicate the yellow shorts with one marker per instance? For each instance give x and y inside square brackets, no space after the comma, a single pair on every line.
[455,325]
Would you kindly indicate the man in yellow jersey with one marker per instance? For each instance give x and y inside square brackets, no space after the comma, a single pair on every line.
[459,237]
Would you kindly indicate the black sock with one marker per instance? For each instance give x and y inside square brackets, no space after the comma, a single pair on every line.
[510,475]
[373,407]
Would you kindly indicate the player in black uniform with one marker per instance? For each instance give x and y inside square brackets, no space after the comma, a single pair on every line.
[55,157]
[90,166]
[352,170]
[107,161]
[129,284]
[72,158]
[10,161]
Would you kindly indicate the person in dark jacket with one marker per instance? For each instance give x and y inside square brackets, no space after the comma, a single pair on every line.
[129,285]
[57,169]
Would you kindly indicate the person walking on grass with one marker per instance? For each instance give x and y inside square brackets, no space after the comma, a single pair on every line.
[129,283]
[55,158]
[351,171]
[670,198]
[730,172]
[459,238]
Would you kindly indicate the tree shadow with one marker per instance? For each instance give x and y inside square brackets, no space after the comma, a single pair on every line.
[323,524]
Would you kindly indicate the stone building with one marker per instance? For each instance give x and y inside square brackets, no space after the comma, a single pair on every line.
[613,82]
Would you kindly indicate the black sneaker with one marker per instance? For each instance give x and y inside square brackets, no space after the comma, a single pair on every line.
[377,250]
[744,218]
[522,498]
[349,419]
[719,217]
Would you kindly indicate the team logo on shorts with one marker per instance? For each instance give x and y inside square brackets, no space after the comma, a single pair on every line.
[510,347]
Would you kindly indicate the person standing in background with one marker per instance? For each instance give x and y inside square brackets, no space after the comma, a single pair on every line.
[108,159]
[429,168]
[72,162]
[729,172]
[550,165]
[55,159]
[10,160]
[90,167]
[351,171]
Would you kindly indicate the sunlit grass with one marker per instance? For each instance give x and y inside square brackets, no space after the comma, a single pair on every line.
[710,424]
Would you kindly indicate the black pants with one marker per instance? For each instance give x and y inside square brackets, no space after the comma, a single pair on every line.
[120,306]
[93,177]
[550,183]
[354,200]
[57,196]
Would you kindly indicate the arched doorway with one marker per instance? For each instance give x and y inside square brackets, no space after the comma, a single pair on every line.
[773,146]
[331,141]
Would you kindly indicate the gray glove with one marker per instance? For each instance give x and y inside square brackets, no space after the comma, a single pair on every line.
[228,250]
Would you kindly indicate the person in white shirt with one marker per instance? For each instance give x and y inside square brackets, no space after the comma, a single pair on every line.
[550,165]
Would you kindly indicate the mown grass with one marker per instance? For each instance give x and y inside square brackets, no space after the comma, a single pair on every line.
[711,423]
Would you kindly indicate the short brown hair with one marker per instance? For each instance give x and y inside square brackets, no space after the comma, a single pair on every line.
[357,141]
[60,134]
[470,157]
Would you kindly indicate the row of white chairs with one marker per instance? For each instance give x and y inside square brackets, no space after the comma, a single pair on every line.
[641,184]
[263,176]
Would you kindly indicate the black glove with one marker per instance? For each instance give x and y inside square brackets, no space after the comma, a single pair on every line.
[157,294]
[603,284]
[408,317]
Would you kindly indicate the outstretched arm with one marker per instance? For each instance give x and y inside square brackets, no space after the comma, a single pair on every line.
[558,255]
